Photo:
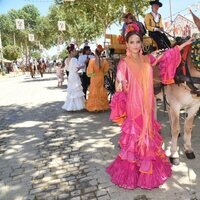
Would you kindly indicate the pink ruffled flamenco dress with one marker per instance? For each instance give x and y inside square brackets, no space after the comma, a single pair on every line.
[141,161]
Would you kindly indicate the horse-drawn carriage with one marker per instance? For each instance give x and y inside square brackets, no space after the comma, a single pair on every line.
[184,94]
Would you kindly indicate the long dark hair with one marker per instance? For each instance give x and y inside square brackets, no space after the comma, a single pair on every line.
[70,48]
[86,48]
[98,53]
[129,34]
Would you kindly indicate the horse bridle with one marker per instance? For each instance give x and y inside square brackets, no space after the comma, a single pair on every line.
[183,75]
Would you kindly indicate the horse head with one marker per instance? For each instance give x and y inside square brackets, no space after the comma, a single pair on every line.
[189,69]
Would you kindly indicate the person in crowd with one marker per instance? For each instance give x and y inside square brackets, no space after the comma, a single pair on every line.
[75,97]
[141,162]
[60,73]
[15,68]
[68,58]
[154,25]
[83,60]
[129,18]
[98,96]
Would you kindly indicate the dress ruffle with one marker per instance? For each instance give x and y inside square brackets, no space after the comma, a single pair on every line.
[75,99]
[131,169]
[128,175]
[118,107]
[74,104]
[141,161]
[97,103]
[168,65]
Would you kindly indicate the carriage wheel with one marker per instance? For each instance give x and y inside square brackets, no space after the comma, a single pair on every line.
[148,48]
[109,82]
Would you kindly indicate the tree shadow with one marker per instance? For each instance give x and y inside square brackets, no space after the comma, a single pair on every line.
[57,151]
[38,79]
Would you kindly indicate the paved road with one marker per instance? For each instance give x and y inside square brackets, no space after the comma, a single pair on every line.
[47,153]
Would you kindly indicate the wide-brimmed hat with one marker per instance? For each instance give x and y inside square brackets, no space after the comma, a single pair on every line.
[155,2]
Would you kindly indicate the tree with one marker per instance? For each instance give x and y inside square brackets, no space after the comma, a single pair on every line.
[96,16]
[11,52]
[35,54]
[63,54]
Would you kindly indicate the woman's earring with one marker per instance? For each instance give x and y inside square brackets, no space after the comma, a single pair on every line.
[128,52]
[141,50]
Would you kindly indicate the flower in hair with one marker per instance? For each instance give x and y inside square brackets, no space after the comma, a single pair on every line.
[132,27]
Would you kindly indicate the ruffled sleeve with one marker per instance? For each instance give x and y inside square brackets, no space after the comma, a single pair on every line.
[118,101]
[168,65]
[121,76]
[73,65]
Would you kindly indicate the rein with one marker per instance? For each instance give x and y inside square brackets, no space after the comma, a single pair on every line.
[183,74]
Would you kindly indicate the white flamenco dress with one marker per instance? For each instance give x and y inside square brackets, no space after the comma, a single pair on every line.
[75,99]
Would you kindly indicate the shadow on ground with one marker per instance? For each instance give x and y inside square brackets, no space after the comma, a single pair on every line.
[67,153]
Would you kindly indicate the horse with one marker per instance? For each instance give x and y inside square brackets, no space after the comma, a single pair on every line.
[22,68]
[41,68]
[184,94]
[32,69]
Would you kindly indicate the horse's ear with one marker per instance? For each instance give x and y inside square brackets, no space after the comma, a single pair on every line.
[196,20]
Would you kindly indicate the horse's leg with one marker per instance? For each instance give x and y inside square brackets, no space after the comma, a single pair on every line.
[175,130]
[188,132]
[41,72]
[31,73]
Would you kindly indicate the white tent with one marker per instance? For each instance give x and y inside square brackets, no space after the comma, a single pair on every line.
[5,60]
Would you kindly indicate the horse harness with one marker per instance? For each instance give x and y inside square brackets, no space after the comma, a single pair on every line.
[183,74]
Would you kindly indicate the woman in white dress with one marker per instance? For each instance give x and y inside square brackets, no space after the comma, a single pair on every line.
[75,97]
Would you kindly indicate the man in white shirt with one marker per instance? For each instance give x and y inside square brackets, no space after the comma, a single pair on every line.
[83,61]
[154,25]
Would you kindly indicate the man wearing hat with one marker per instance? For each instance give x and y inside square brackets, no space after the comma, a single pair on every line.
[154,25]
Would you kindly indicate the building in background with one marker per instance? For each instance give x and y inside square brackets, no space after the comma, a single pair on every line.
[181,27]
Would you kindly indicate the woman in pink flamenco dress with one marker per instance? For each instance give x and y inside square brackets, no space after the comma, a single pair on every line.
[141,162]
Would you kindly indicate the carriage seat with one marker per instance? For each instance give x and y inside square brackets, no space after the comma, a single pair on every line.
[120,48]
[149,41]
[114,43]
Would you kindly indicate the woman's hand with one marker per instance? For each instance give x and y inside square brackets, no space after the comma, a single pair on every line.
[118,86]
[188,42]
[157,53]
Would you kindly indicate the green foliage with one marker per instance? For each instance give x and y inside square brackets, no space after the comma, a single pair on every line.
[11,52]
[34,23]
[63,54]
[35,54]
[90,19]
[85,20]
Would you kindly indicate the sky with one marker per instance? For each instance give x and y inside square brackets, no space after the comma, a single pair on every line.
[177,7]
[42,5]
